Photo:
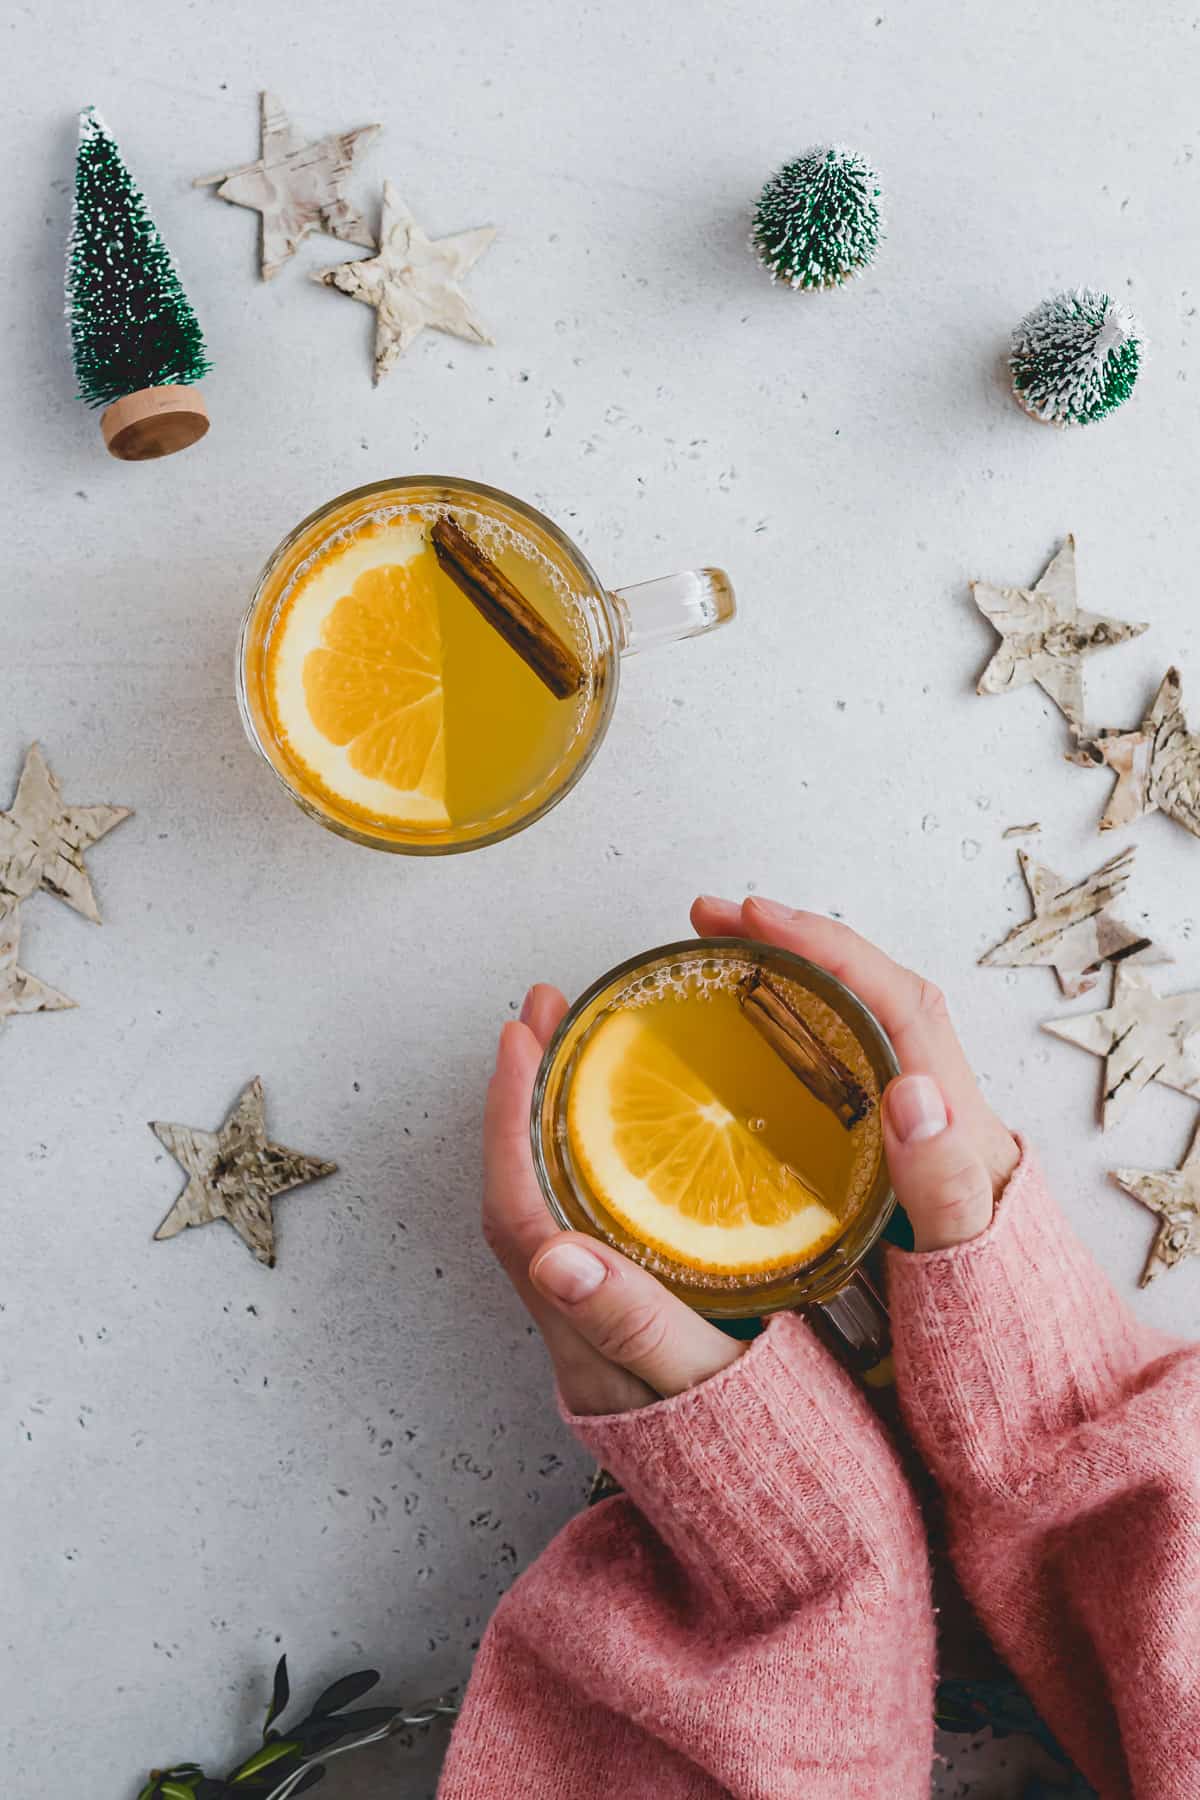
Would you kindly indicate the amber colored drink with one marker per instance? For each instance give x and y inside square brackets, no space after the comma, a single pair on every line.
[669,1123]
[390,705]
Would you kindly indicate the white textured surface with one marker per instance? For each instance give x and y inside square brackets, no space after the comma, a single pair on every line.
[201,1460]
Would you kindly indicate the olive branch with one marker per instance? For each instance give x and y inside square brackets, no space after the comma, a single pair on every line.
[292,1762]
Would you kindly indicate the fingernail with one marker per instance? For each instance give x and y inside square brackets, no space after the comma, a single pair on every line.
[713,900]
[916,1108]
[504,1031]
[527,1007]
[569,1272]
[774,909]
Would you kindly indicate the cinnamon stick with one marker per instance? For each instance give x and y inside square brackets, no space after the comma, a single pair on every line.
[823,1074]
[520,625]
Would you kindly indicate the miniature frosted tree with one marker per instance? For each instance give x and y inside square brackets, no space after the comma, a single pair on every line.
[818,220]
[1076,357]
[134,337]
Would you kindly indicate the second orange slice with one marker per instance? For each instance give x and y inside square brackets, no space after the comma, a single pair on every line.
[679,1171]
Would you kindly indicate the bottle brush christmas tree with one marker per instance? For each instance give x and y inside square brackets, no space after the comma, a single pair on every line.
[818,220]
[135,339]
[1075,358]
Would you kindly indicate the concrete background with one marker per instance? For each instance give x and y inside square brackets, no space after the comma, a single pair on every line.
[202,1461]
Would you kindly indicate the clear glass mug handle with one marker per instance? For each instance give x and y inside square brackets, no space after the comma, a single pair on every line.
[854,1323]
[675,606]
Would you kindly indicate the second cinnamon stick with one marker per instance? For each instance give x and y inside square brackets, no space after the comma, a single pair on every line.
[812,1062]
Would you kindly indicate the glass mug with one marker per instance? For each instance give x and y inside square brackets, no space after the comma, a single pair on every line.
[832,1281]
[494,740]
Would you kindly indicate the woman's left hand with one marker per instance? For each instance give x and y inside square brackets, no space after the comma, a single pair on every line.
[617,1337]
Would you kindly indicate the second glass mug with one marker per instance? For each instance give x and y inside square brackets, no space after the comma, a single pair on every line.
[610,624]
[832,1288]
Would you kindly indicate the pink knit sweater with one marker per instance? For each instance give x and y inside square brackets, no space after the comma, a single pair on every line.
[753,1617]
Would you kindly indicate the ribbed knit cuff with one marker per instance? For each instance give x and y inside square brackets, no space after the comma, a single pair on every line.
[769,1481]
[1007,1339]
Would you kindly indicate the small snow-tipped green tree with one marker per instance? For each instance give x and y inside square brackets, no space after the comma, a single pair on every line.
[818,220]
[132,326]
[1076,357]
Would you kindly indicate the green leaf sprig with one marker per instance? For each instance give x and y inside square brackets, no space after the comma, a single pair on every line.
[290,1763]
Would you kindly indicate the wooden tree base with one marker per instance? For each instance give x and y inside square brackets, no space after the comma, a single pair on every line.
[156,421]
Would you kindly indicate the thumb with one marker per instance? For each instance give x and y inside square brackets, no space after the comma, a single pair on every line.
[939,1179]
[628,1316]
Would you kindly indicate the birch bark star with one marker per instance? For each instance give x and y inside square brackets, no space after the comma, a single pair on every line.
[42,841]
[298,187]
[1044,635]
[413,282]
[235,1173]
[1072,929]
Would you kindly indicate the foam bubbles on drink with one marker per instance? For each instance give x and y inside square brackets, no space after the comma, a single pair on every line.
[690,980]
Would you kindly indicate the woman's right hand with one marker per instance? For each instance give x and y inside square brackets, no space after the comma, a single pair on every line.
[948,1154]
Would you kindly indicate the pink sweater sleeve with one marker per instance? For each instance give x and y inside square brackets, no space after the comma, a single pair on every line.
[1066,1439]
[751,1618]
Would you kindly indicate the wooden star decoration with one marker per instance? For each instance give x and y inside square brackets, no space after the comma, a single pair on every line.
[297,187]
[1144,1036]
[1174,1194]
[413,282]
[42,842]
[235,1173]
[21,992]
[1157,766]
[1072,931]
[1044,635]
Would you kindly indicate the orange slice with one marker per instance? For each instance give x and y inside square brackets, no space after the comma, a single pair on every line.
[357,678]
[675,1167]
